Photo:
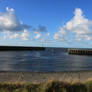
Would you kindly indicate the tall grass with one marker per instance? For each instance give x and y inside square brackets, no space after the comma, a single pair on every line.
[51,86]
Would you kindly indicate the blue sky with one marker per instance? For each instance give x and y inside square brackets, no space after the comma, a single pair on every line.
[50,15]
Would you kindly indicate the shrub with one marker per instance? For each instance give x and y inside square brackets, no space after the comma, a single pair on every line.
[89,86]
[56,86]
[51,86]
[78,87]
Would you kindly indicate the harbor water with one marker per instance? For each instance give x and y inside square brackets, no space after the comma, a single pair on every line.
[49,60]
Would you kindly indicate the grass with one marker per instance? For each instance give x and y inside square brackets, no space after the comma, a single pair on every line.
[51,86]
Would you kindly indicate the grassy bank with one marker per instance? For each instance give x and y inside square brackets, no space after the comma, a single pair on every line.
[51,86]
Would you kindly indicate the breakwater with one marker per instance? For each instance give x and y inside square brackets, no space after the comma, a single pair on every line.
[18,48]
[80,51]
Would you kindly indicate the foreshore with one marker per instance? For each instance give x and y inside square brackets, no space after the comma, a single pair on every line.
[37,77]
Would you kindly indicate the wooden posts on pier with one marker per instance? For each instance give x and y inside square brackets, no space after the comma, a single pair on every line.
[80,51]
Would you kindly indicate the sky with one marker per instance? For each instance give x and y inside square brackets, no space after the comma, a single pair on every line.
[48,23]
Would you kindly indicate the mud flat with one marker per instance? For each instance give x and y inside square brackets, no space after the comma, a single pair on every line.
[77,76]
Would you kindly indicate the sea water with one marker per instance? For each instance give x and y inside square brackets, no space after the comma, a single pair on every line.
[49,60]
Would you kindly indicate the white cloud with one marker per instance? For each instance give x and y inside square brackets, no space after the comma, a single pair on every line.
[10,35]
[13,28]
[6,34]
[38,35]
[60,34]
[41,32]
[40,29]
[14,36]
[79,26]
[48,34]
[10,22]
[25,35]
[9,10]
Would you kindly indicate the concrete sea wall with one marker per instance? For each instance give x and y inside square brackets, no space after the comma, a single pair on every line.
[80,51]
[18,48]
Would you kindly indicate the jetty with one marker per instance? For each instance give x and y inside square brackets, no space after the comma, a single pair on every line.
[79,51]
[18,48]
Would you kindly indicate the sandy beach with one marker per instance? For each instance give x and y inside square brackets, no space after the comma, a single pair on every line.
[35,77]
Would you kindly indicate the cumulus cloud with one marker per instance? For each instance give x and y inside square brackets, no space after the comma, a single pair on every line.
[25,35]
[78,26]
[40,29]
[13,28]
[48,34]
[14,36]
[60,35]
[38,35]
[10,22]
[40,32]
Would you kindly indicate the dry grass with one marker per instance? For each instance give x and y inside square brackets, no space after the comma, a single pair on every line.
[50,86]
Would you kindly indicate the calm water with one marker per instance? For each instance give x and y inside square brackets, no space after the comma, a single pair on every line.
[50,60]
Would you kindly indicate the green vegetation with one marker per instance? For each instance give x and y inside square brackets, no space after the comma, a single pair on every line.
[51,86]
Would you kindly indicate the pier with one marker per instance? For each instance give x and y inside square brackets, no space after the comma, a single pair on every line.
[22,48]
[80,51]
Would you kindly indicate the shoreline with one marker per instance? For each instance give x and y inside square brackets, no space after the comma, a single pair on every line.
[41,77]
